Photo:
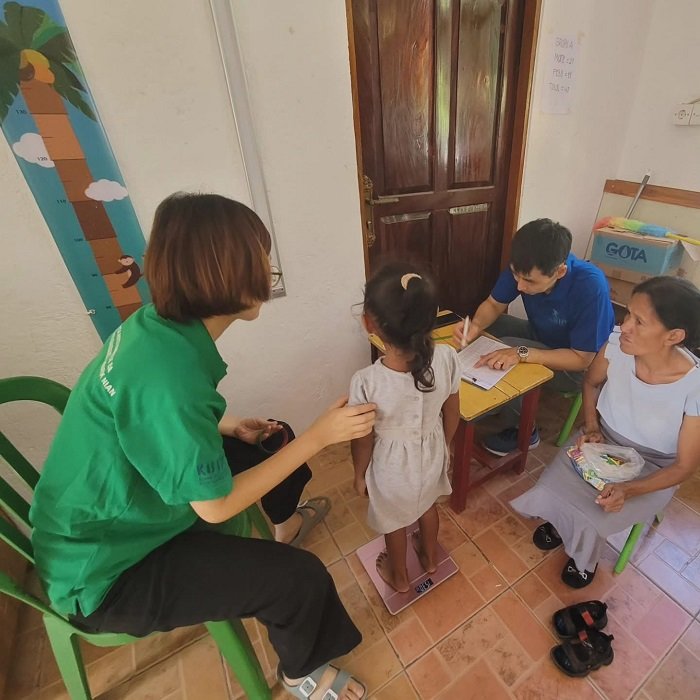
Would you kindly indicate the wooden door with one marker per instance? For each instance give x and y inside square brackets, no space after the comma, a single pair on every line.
[435,83]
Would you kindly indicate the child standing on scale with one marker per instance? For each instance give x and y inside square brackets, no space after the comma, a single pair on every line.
[402,465]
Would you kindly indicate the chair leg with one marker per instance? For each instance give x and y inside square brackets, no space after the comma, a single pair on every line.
[570,419]
[234,644]
[259,522]
[628,549]
[66,650]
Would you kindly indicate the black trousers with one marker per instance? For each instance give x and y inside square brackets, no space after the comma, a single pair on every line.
[203,576]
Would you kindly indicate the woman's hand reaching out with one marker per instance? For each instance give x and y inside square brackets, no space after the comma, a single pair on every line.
[342,422]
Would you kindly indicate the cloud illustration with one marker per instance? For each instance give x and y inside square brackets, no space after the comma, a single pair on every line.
[106,191]
[31,147]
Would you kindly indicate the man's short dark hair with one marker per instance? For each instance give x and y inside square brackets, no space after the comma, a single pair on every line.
[543,244]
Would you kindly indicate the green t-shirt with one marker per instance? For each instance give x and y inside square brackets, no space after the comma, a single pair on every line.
[138,441]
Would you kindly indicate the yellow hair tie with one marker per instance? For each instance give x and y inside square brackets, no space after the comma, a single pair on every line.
[407,278]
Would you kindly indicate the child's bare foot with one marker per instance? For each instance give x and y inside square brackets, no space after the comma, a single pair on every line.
[429,566]
[398,583]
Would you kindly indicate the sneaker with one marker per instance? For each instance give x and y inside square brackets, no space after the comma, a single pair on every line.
[507,440]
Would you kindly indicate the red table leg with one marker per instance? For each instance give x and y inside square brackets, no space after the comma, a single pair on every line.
[527,422]
[464,448]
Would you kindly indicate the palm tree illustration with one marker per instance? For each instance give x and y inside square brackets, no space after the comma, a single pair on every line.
[37,58]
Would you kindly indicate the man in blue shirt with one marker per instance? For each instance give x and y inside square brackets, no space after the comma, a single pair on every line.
[569,314]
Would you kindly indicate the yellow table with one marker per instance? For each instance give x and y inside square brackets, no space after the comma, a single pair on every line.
[523,380]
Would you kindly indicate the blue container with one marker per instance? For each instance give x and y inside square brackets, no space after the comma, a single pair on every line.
[630,251]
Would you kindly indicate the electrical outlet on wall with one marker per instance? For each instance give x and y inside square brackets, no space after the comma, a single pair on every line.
[681,114]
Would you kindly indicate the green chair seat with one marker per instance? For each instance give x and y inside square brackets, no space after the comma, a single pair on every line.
[230,635]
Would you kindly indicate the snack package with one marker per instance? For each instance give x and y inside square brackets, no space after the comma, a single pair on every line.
[599,464]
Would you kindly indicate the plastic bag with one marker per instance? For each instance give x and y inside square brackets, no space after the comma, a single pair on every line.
[601,464]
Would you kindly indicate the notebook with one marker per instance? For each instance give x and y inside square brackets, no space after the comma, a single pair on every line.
[483,377]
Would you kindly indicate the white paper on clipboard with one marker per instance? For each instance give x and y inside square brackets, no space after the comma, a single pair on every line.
[483,377]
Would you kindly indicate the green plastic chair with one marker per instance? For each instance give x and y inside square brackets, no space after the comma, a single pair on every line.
[631,543]
[576,403]
[230,636]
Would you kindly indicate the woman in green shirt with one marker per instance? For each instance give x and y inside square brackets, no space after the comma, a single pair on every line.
[144,451]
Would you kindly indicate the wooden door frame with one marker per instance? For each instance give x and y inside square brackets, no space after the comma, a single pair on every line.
[523,99]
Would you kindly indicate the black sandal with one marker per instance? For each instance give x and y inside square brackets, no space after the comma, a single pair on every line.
[588,653]
[568,622]
[571,576]
[545,537]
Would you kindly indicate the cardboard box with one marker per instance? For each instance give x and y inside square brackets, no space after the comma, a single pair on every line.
[645,256]
[620,291]
[618,273]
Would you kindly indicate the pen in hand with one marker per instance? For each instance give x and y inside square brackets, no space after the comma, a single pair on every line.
[465,330]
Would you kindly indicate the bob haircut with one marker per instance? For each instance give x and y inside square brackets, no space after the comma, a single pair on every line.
[207,256]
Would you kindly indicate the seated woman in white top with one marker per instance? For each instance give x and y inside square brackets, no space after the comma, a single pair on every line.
[642,391]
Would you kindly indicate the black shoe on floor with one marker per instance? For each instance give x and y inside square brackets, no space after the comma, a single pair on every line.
[545,537]
[571,576]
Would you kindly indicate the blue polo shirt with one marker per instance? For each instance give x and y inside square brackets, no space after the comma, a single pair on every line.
[576,313]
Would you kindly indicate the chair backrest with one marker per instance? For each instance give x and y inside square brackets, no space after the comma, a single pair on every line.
[23,389]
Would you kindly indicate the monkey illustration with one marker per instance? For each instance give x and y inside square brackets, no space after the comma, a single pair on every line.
[129,266]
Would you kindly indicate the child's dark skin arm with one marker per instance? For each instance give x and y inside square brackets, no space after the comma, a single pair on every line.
[361,449]
[450,417]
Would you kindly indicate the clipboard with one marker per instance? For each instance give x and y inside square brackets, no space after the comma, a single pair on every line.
[483,377]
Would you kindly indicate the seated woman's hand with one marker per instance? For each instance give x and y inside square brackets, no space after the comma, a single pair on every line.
[589,435]
[251,430]
[612,498]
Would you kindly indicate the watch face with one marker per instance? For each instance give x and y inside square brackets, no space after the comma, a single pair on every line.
[523,351]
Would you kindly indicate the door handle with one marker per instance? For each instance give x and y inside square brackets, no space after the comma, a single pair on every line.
[381,200]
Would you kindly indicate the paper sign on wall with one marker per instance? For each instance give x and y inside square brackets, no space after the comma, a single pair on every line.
[560,75]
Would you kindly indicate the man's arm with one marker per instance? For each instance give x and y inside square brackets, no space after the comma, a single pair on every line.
[485,315]
[560,359]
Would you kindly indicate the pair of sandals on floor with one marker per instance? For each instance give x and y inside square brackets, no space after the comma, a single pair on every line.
[585,648]
[313,511]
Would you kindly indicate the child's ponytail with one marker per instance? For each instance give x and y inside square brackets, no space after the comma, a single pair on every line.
[404,305]
[421,364]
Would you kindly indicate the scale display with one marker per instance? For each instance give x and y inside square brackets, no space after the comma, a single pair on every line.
[50,120]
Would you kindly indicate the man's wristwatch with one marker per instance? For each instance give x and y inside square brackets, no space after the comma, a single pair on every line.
[523,352]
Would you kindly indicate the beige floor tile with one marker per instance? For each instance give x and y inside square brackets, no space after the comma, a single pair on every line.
[375,665]
[399,688]
[153,684]
[678,677]
[202,670]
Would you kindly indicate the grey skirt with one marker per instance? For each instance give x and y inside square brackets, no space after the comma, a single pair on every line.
[564,499]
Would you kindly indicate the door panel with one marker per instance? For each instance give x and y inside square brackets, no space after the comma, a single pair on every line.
[435,82]
[478,75]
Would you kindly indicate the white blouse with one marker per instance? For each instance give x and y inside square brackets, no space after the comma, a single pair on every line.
[647,414]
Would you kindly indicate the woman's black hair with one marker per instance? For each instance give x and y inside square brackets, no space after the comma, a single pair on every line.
[405,317]
[677,304]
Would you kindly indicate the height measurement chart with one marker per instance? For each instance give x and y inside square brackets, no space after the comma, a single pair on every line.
[560,75]
[50,120]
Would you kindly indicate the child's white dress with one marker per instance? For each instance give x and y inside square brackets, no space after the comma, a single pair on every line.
[408,469]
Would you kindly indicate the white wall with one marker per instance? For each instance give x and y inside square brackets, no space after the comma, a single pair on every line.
[569,156]
[156,75]
[669,74]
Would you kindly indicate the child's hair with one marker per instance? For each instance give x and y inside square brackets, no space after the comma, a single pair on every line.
[207,256]
[403,304]
[543,244]
[676,302]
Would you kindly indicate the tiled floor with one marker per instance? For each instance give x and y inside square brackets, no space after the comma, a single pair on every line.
[485,633]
